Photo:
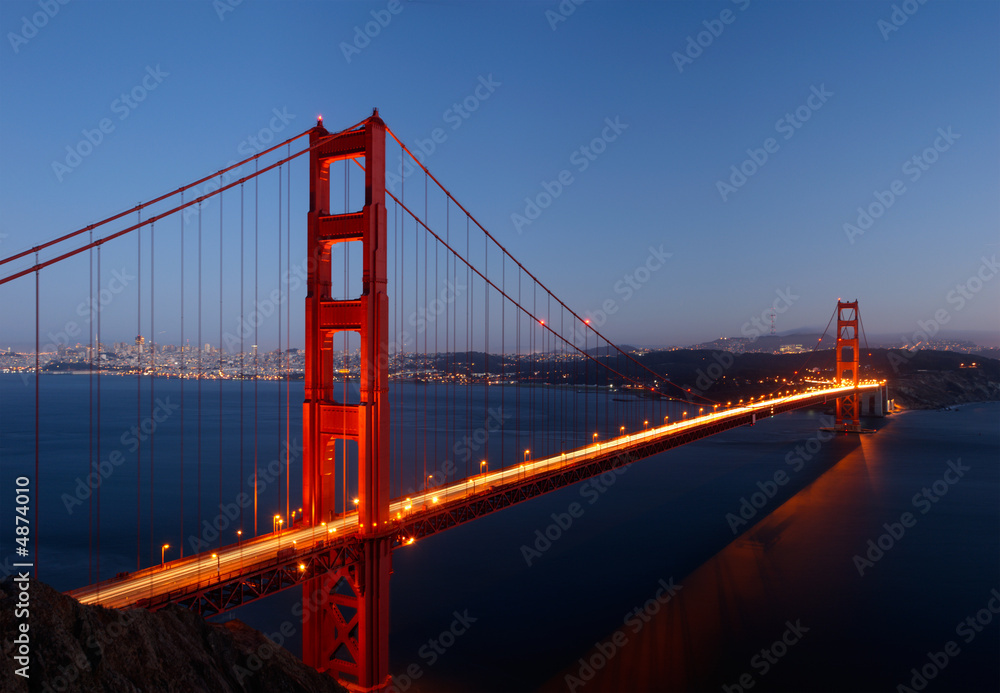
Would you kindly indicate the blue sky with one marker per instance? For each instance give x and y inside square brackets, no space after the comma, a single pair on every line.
[868,98]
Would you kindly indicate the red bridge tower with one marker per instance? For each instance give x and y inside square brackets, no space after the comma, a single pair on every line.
[348,633]
[848,409]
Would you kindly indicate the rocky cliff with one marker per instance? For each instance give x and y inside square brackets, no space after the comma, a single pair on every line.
[934,389]
[74,647]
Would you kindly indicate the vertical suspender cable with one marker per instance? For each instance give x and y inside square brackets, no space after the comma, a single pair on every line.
[531,369]
[37,420]
[219,376]
[450,336]
[138,395]
[426,384]
[486,347]
[288,325]
[90,411]
[243,372]
[517,380]
[183,377]
[198,373]
[468,342]
[437,253]
[346,364]
[256,263]
[97,548]
[278,365]
[152,382]
[395,385]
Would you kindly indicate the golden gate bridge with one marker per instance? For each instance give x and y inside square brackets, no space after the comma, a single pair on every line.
[373,480]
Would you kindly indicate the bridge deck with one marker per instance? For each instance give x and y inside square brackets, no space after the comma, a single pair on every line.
[235,574]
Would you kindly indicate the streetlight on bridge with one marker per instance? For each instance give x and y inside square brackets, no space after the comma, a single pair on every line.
[162,551]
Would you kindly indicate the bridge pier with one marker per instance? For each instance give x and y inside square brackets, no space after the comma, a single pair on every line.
[346,628]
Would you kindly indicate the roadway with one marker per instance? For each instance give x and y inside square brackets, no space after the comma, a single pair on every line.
[202,571]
